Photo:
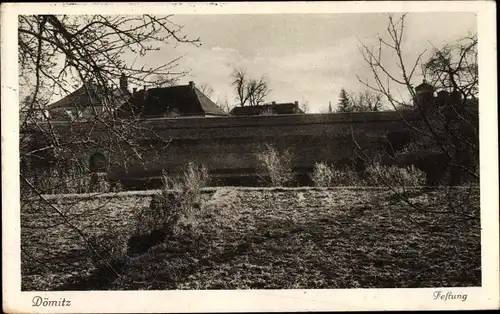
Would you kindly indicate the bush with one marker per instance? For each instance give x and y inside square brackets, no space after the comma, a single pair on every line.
[178,208]
[322,174]
[278,166]
[325,175]
[73,181]
[380,175]
[375,175]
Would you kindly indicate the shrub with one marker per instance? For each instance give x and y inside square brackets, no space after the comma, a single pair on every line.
[73,181]
[178,208]
[380,175]
[325,175]
[322,174]
[278,166]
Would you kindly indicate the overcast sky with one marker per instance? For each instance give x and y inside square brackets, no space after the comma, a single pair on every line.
[306,57]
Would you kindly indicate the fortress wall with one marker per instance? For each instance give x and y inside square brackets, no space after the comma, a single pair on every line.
[231,144]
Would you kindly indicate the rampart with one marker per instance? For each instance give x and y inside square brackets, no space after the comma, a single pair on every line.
[228,146]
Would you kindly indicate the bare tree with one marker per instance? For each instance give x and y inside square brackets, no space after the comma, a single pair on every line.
[435,124]
[446,126]
[455,67]
[57,54]
[206,89]
[251,91]
[366,101]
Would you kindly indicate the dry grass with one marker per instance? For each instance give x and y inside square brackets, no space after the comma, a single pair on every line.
[78,180]
[295,238]
[380,175]
[325,175]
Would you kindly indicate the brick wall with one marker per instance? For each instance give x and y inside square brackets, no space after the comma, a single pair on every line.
[231,144]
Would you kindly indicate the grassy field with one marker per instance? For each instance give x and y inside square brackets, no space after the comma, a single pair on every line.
[268,239]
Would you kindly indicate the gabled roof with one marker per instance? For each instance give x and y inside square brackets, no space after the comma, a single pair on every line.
[279,108]
[207,105]
[158,102]
[87,96]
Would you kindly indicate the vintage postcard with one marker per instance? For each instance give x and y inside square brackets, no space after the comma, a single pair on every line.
[248,157]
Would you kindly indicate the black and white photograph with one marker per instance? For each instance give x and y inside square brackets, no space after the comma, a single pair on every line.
[333,148]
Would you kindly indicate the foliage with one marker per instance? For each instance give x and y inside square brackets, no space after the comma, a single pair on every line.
[376,174]
[74,180]
[322,174]
[277,165]
[403,177]
[325,175]
[178,207]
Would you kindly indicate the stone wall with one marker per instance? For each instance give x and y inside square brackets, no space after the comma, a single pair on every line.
[228,146]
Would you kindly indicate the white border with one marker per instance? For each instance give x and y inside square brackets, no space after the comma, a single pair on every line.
[486,297]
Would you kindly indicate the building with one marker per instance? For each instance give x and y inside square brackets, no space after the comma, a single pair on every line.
[428,99]
[89,100]
[267,109]
[173,101]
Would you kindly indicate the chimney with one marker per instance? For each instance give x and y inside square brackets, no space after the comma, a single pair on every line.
[296,103]
[191,84]
[123,82]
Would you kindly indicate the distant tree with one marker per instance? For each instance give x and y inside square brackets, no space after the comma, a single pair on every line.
[224,104]
[344,104]
[366,101]
[249,91]
[206,89]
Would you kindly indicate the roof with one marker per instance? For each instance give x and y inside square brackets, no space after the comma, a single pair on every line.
[157,102]
[424,86]
[280,108]
[84,97]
